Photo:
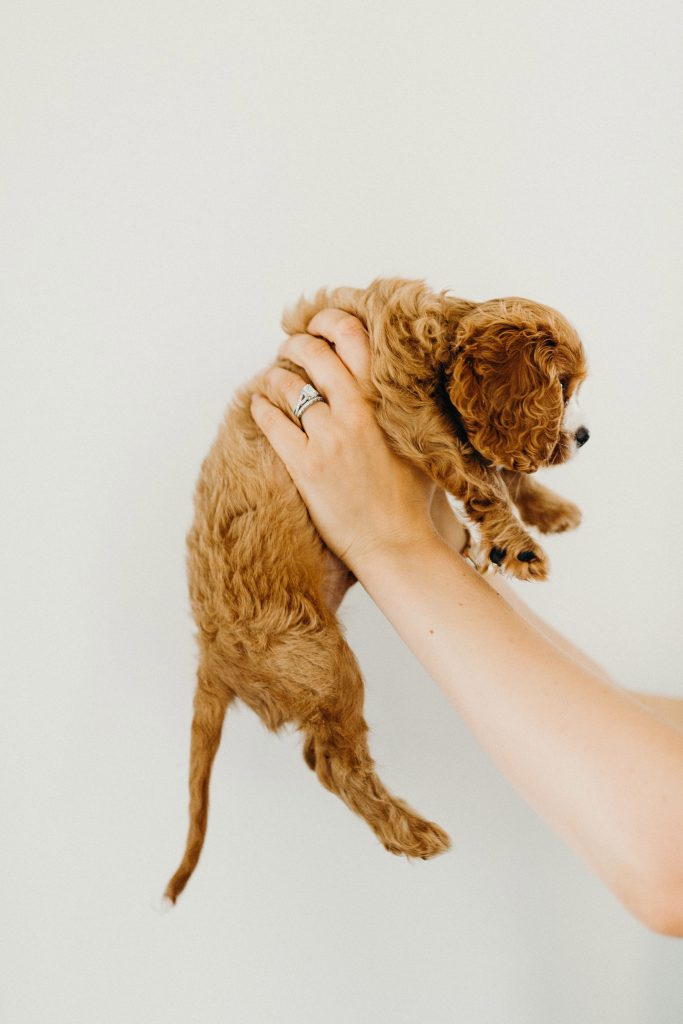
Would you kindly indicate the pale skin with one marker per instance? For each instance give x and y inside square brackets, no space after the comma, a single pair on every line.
[603,766]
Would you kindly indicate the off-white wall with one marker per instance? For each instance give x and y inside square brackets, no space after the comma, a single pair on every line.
[177,173]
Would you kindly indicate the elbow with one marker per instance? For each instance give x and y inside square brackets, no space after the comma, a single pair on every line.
[658,902]
[666,918]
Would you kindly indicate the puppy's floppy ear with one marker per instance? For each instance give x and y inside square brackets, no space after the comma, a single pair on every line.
[505,385]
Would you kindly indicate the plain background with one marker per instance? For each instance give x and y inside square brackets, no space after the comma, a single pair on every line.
[175,174]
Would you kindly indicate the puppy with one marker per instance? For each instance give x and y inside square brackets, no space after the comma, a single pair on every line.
[476,394]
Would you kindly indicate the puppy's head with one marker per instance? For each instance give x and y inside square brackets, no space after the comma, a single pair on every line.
[516,368]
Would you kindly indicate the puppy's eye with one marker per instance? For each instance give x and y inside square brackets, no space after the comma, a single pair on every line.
[564,384]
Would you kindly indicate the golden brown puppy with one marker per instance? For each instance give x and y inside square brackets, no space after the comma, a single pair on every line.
[473,393]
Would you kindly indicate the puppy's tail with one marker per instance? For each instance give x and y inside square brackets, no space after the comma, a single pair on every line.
[210,705]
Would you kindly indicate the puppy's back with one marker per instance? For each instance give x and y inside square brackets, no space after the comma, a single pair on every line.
[252,543]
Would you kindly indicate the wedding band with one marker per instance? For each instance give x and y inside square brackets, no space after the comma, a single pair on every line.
[308,397]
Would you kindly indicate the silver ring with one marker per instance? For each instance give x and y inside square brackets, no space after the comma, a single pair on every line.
[308,397]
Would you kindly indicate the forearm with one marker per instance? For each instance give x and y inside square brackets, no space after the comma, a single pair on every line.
[561,642]
[605,773]
[669,709]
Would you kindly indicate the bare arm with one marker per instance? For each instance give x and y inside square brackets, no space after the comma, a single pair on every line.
[602,770]
[597,764]
[669,709]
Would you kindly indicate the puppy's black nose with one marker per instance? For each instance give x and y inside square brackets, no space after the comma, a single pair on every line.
[581,436]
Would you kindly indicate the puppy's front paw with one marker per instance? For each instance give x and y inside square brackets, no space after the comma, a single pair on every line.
[552,515]
[523,558]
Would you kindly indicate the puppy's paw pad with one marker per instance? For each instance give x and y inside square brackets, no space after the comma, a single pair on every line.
[535,568]
[527,562]
[527,556]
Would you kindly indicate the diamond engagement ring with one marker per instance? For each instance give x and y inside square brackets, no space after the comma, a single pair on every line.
[308,396]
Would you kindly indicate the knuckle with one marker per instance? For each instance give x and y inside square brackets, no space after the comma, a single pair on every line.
[280,381]
[304,346]
[280,376]
[269,377]
[351,327]
[269,418]
[315,347]
[274,377]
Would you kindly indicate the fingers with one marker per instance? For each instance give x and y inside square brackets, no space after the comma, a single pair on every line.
[334,372]
[328,373]
[349,337]
[283,388]
[288,440]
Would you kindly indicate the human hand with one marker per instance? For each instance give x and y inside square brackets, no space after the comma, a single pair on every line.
[360,495]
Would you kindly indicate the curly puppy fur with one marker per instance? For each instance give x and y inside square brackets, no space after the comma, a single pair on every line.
[473,393]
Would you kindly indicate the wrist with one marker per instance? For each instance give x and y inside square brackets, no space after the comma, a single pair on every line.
[393,550]
[448,525]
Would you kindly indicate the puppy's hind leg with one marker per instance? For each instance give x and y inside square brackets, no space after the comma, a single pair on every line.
[211,701]
[336,749]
